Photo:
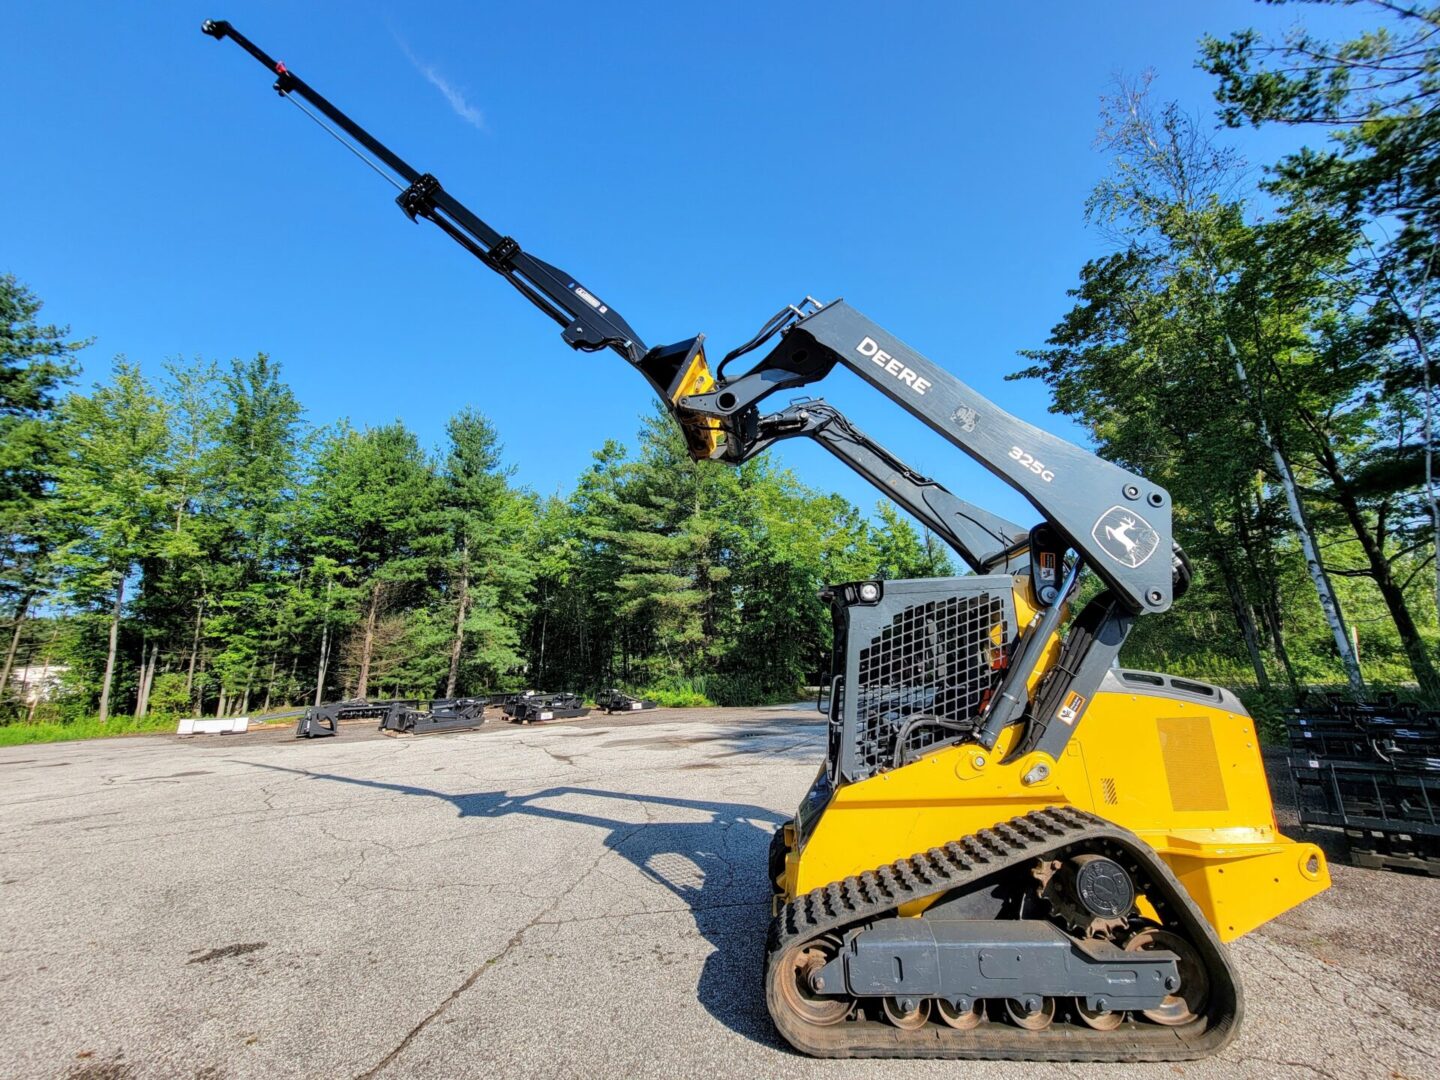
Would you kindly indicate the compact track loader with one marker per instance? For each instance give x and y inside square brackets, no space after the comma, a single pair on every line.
[1014,848]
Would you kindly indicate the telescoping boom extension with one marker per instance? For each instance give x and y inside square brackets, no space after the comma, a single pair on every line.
[973,873]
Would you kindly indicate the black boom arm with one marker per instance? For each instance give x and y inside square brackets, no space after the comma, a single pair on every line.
[987,542]
[589,323]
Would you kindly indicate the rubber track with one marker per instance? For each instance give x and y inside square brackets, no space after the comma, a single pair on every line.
[1019,841]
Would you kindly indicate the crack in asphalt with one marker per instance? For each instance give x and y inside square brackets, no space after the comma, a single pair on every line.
[515,941]
[1316,1069]
[564,759]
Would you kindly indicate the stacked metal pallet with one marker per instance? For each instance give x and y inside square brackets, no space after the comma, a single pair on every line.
[1373,771]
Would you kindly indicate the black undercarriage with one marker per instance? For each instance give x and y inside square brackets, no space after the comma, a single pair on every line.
[1032,947]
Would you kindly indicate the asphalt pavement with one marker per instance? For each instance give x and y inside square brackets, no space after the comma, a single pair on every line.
[579,900]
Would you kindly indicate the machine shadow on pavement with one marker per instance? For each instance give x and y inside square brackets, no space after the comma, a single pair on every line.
[716,867]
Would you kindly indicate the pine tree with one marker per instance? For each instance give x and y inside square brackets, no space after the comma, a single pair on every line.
[36,361]
[378,516]
[490,568]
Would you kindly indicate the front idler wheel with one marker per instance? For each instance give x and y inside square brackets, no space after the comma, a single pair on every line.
[1187,1001]
[797,985]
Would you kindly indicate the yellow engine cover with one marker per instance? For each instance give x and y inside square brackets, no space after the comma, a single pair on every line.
[1182,769]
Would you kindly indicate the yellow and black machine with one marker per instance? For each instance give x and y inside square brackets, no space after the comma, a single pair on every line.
[1015,848]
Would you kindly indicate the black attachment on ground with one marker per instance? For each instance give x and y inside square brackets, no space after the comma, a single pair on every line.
[412,716]
[1371,769]
[316,723]
[535,706]
[613,701]
[322,720]
[440,714]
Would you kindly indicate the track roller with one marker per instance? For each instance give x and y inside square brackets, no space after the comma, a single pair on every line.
[1032,1014]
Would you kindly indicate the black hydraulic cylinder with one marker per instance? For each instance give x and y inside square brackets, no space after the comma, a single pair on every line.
[1013,697]
[988,543]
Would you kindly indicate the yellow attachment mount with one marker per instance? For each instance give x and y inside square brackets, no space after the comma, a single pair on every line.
[678,371]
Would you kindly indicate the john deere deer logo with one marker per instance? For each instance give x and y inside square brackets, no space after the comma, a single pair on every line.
[1119,535]
[1125,536]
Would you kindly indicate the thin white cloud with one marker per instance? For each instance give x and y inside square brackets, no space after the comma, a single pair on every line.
[463,109]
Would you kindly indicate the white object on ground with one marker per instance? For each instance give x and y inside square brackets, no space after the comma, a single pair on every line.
[225,725]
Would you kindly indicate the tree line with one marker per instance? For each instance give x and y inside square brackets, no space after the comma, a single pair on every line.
[1264,346]
[190,544]
[184,541]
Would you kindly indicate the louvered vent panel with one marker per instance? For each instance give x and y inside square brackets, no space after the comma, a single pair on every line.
[1192,767]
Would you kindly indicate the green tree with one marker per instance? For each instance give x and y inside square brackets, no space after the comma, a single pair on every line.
[183,583]
[257,450]
[901,552]
[112,497]
[1211,349]
[489,567]
[1171,188]
[671,536]
[664,573]
[36,361]
[378,516]
[1375,95]
[576,637]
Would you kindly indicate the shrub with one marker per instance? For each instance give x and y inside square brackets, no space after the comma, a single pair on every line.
[1268,708]
[168,696]
[675,697]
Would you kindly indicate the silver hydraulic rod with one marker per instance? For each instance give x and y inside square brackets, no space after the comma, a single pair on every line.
[1013,698]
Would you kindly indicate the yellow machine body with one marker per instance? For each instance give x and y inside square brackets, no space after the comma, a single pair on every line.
[1185,775]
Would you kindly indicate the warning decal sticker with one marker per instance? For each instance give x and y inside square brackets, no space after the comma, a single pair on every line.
[1070,711]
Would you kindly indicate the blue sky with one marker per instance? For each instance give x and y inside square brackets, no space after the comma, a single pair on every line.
[698,166]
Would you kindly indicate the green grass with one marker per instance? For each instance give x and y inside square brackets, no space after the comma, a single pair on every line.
[702,691]
[19,733]
[675,698]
